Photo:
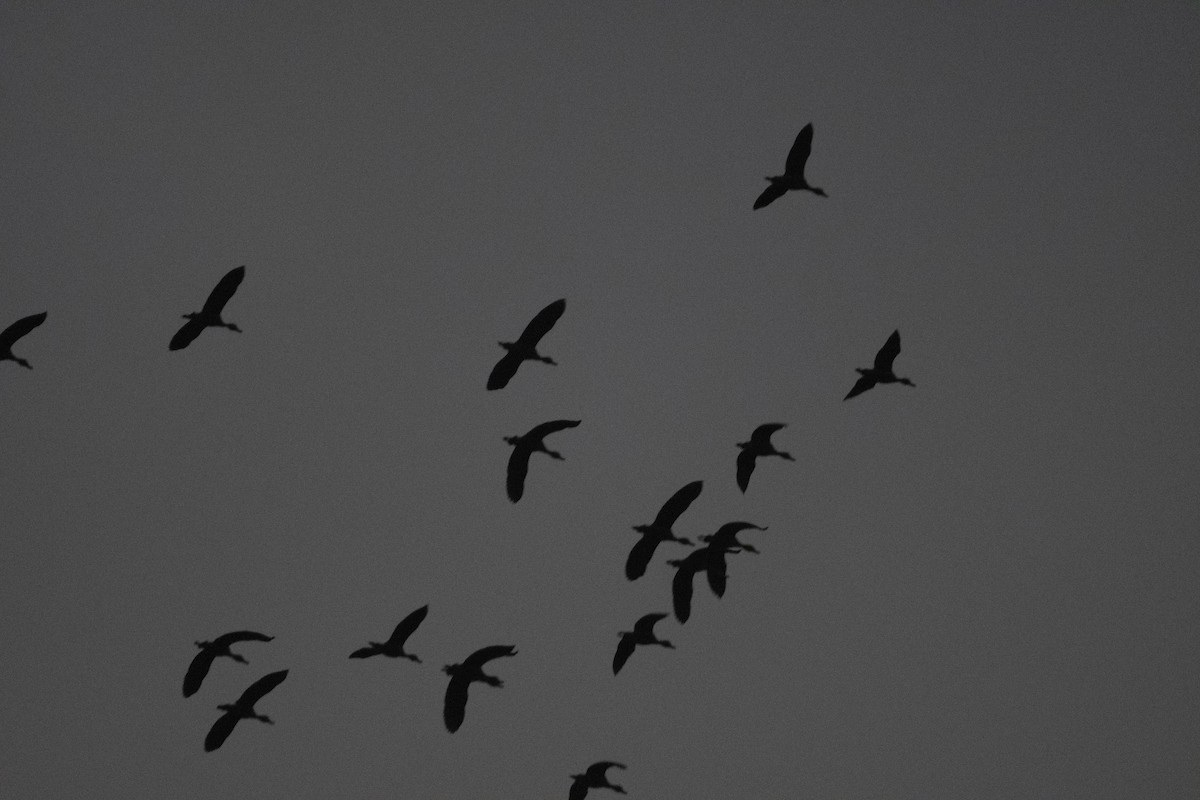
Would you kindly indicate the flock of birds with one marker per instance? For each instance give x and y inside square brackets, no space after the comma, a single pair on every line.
[709,558]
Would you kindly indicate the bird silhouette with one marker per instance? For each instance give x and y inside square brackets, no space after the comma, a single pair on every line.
[10,335]
[394,647]
[211,650]
[759,445]
[642,633]
[210,315]
[242,709]
[793,171]
[725,541]
[660,530]
[685,570]
[525,446]
[525,347]
[461,677]
[594,778]
[882,371]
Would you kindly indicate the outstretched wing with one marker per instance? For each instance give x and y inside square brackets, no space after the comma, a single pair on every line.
[762,434]
[502,373]
[541,324]
[485,654]
[678,503]
[227,639]
[625,649]
[681,591]
[860,386]
[19,328]
[639,557]
[261,687]
[887,354]
[645,623]
[547,428]
[366,652]
[579,789]
[224,290]
[596,771]
[518,468]
[196,672]
[187,334]
[716,571]
[455,709]
[770,195]
[745,467]
[220,731]
[798,155]
[407,626]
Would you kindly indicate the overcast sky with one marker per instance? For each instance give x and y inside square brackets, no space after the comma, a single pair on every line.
[982,587]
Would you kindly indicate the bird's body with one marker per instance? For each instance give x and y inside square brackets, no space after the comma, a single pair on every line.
[725,541]
[394,646]
[660,530]
[642,633]
[594,778]
[759,445]
[526,445]
[882,371]
[793,172]
[210,315]
[242,709]
[709,557]
[209,651]
[463,675]
[10,335]
[525,347]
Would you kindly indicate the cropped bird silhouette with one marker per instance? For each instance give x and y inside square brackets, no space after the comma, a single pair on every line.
[685,570]
[525,446]
[210,315]
[462,675]
[660,530]
[214,649]
[642,633]
[394,647]
[10,335]
[882,371]
[525,347]
[242,709]
[793,171]
[594,778]
[759,445]
[725,541]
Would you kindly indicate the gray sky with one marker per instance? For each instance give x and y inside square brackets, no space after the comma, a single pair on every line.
[982,587]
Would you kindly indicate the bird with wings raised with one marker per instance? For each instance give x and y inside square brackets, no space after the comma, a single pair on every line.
[793,171]
[882,371]
[525,347]
[210,315]
[463,675]
[660,530]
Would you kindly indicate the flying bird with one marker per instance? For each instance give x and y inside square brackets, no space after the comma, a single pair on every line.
[642,633]
[525,347]
[461,677]
[13,332]
[210,315]
[594,778]
[525,446]
[725,541]
[882,371]
[211,650]
[394,647]
[685,570]
[660,530]
[242,709]
[793,171]
[759,445]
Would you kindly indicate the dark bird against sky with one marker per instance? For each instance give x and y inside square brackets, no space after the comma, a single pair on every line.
[725,541]
[642,633]
[214,649]
[525,347]
[594,778]
[660,530]
[463,675]
[759,445]
[394,646]
[882,371]
[685,570]
[210,315]
[14,332]
[526,445]
[793,171]
[242,709]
